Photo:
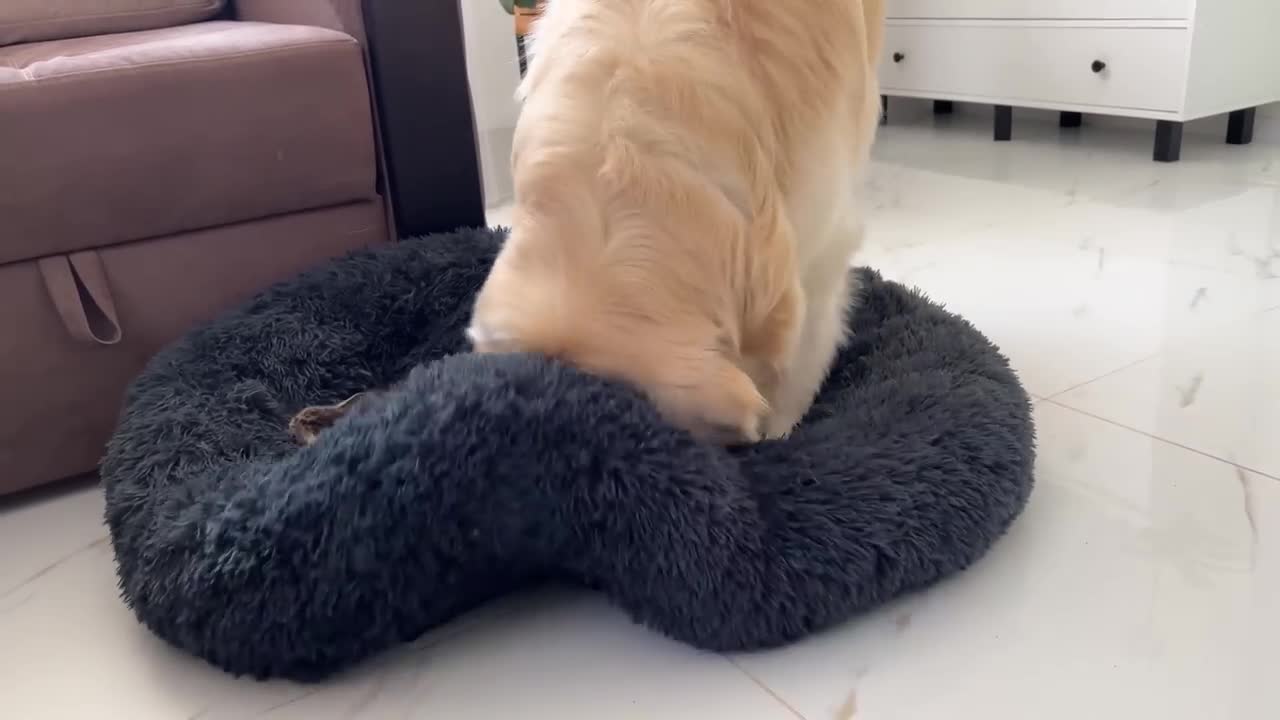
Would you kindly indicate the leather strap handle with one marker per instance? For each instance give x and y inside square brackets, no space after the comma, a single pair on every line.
[77,285]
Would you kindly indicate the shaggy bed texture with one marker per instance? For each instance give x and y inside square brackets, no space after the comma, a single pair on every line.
[479,475]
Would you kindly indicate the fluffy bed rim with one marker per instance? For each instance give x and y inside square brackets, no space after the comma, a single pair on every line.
[481,475]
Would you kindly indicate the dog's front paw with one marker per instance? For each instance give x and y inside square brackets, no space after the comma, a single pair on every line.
[724,407]
[779,425]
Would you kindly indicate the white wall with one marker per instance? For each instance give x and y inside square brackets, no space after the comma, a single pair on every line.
[494,72]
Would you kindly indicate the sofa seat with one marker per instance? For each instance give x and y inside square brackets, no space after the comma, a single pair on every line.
[151,133]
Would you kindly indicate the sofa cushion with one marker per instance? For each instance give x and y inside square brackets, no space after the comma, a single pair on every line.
[32,20]
[113,138]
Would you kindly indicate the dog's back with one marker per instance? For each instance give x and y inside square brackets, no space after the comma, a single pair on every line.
[678,164]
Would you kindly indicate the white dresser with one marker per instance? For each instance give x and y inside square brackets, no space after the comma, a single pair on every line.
[1166,60]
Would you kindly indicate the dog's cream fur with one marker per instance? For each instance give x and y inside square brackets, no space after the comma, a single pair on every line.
[685,172]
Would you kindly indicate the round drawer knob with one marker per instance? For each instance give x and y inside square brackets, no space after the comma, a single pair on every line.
[1098,66]
[899,57]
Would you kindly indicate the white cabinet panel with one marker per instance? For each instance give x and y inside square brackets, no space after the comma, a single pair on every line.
[1043,9]
[1138,68]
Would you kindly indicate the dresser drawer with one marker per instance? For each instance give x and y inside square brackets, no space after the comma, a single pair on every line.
[1042,9]
[1144,68]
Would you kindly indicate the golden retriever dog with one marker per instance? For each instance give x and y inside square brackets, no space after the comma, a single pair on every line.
[685,176]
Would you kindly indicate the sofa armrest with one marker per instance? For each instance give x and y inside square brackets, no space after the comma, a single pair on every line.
[344,15]
[418,68]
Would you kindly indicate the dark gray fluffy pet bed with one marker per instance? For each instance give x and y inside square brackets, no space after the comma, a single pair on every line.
[482,474]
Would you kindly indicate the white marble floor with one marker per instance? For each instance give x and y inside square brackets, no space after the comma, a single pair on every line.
[1141,305]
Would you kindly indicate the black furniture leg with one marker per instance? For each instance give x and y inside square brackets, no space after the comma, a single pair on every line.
[1004,123]
[1240,126]
[943,107]
[884,109]
[1168,141]
[1070,119]
[419,72]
